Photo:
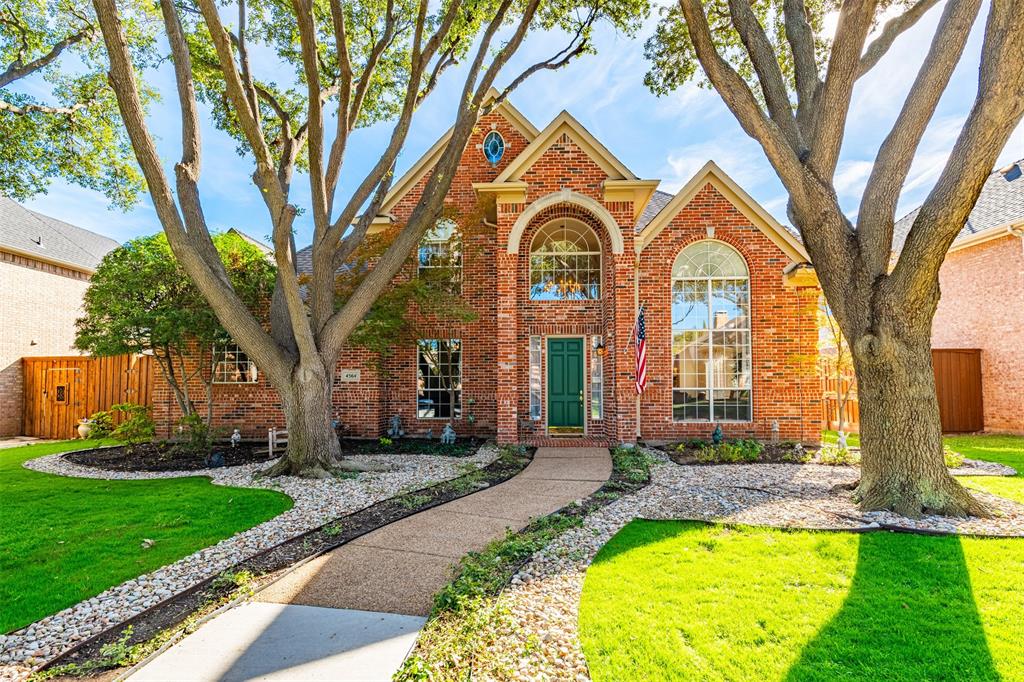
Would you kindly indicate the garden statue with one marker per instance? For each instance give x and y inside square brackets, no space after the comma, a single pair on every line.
[716,435]
[775,431]
[236,438]
[798,452]
[841,441]
[215,460]
[448,435]
[396,430]
[84,428]
[430,434]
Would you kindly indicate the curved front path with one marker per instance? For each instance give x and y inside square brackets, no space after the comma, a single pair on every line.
[357,609]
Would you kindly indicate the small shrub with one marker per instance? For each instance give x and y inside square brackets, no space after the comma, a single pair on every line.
[102,424]
[952,458]
[137,428]
[196,436]
[795,456]
[384,441]
[633,463]
[834,455]
[413,501]
[747,450]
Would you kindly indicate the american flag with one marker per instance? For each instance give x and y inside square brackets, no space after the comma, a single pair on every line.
[641,353]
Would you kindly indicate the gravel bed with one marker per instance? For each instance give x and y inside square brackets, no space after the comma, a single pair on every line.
[315,503]
[976,467]
[545,594]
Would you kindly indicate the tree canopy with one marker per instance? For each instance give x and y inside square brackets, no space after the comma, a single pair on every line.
[140,300]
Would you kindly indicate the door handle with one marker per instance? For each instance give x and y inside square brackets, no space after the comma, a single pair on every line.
[581,397]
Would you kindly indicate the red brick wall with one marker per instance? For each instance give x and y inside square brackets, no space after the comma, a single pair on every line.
[495,347]
[783,328]
[982,306]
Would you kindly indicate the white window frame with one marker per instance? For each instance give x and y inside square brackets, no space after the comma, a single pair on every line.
[430,239]
[240,363]
[596,379]
[456,406]
[709,373]
[536,378]
[535,252]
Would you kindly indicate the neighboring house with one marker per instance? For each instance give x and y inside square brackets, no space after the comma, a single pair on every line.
[45,266]
[571,243]
[982,304]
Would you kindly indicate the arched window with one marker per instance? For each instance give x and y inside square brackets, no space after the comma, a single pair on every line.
[710,334]
[565,262]
[440,255]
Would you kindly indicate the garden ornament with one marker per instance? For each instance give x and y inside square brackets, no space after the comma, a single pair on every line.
[215,460]
[775,431]
[448,435]
[396,430]
[236,438]
[798,451]
[841,440]
[716,435]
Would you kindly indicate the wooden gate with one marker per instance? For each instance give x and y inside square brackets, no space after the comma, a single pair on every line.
[61,390]
[958,385]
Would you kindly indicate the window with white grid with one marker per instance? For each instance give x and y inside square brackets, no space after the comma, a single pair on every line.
[596,378]
[565,262]
[439,378]
[711,367]
[440,255]
[232,366]
[536,376]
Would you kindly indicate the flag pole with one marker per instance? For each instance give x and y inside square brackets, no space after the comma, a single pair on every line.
[633,330]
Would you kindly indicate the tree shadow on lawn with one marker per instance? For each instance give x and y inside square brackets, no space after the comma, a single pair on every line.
[910,614]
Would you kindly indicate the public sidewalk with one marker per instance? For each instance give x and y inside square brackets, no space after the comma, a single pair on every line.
[353,613]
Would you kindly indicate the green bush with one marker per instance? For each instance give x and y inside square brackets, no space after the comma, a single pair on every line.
[835,455]
[102,424]
[196,436]
[137,428]
[952,458]
[732,452]
[633,463]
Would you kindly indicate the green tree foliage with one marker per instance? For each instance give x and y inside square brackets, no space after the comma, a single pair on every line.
[141,300]
[58,115]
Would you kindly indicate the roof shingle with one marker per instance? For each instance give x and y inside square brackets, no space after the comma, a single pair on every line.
[32,233]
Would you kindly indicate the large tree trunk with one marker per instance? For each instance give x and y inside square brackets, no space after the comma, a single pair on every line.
[902,464]
[313,447]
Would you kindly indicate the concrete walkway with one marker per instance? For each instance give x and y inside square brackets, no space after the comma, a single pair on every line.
[353,613]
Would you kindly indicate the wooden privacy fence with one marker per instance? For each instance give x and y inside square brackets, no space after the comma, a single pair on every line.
[957,385]
[61,390]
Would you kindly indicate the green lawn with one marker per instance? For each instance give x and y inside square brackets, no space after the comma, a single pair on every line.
[66,539]
[668,600]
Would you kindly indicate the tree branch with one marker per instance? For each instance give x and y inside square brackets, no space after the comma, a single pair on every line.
[855,19]
[805,64]
[892,30]
[878,204]
[997,110]
[769,73]
[19,69]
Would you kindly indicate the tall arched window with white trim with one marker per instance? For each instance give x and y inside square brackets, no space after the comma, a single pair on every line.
[565,262]
[711,377]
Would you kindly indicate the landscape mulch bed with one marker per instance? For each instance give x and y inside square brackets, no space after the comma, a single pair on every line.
[269,564]
[167,457]
[773,453]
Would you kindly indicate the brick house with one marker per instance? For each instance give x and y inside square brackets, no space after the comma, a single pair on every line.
[45,266]
[570,244]
[982,304]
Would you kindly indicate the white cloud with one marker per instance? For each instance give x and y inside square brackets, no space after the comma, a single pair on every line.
[851,176]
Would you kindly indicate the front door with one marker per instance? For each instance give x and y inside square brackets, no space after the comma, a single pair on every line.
[565,385]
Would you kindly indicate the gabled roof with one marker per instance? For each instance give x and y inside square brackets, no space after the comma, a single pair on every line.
[1001,203]
[426,162]
[264,248]
[39,236]
[760,218]
[565,123]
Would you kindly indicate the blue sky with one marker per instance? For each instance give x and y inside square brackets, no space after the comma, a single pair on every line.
[667,138]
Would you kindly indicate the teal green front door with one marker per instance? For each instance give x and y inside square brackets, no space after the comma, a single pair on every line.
[565,384]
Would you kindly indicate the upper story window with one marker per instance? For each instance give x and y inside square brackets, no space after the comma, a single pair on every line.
[440,254]
[565,262]
[711,376]
[494,147]
[232,366]
[439,378]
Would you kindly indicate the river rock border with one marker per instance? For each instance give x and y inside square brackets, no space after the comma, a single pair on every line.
[544,596]
[316,502]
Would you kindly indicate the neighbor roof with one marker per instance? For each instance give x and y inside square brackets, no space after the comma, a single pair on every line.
[39,236]
[1001,202]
